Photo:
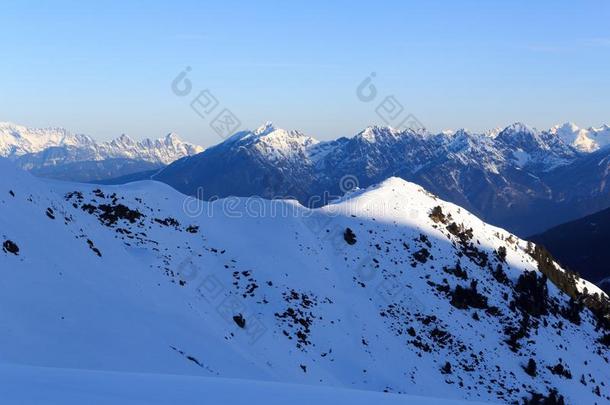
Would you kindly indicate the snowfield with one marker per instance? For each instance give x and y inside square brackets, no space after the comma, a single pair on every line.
[138,294]
[38,386]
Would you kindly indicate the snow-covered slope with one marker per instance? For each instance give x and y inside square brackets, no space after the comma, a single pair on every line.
[388,289]
[50,386]
[30,144]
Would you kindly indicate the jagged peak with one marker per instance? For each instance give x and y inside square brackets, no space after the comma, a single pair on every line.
[584,140]
[172,139]
[465,132]
[265,129]
[568,125]
[462,132]
[379,128]
[268,129]
[520,133]
[520,127]
[492,133]
[172,136]
[604,127]
[32,134]
[123,139]
[373,133]
[269,133]
[12,125]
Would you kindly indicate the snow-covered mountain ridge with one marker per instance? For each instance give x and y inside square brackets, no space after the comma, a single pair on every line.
[17,141]
[387,289]
[585,140]
[514,177]
[559,142]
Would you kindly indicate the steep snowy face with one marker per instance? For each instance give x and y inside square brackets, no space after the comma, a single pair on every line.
[386,289]
[379,152]
[375,134]
[585,140]
[31,145]
[533,149]
[275,144]
[475,150]
[278,144]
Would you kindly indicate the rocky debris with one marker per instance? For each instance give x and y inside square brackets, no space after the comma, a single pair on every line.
[239,320]
[10,247]
[169,221]
[192,229]
[93,248]
[468,297]
[560,370]
[531,368]
[349,236]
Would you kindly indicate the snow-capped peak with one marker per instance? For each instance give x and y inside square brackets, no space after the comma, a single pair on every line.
[519,127]
[492,133]
[264,129]
[123,140]
[375,133]
[172,137]
[164,150]
[462,132]
[604,127]
[272,143]
[584,140]
[567,126]
[519,135]
[17,141]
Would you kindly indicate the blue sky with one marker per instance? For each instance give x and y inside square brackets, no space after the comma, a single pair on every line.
[105,69]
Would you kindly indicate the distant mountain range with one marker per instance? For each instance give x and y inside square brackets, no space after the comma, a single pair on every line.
[520,178]
[57,153]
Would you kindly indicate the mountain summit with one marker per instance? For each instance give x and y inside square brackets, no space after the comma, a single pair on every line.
[585,140]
